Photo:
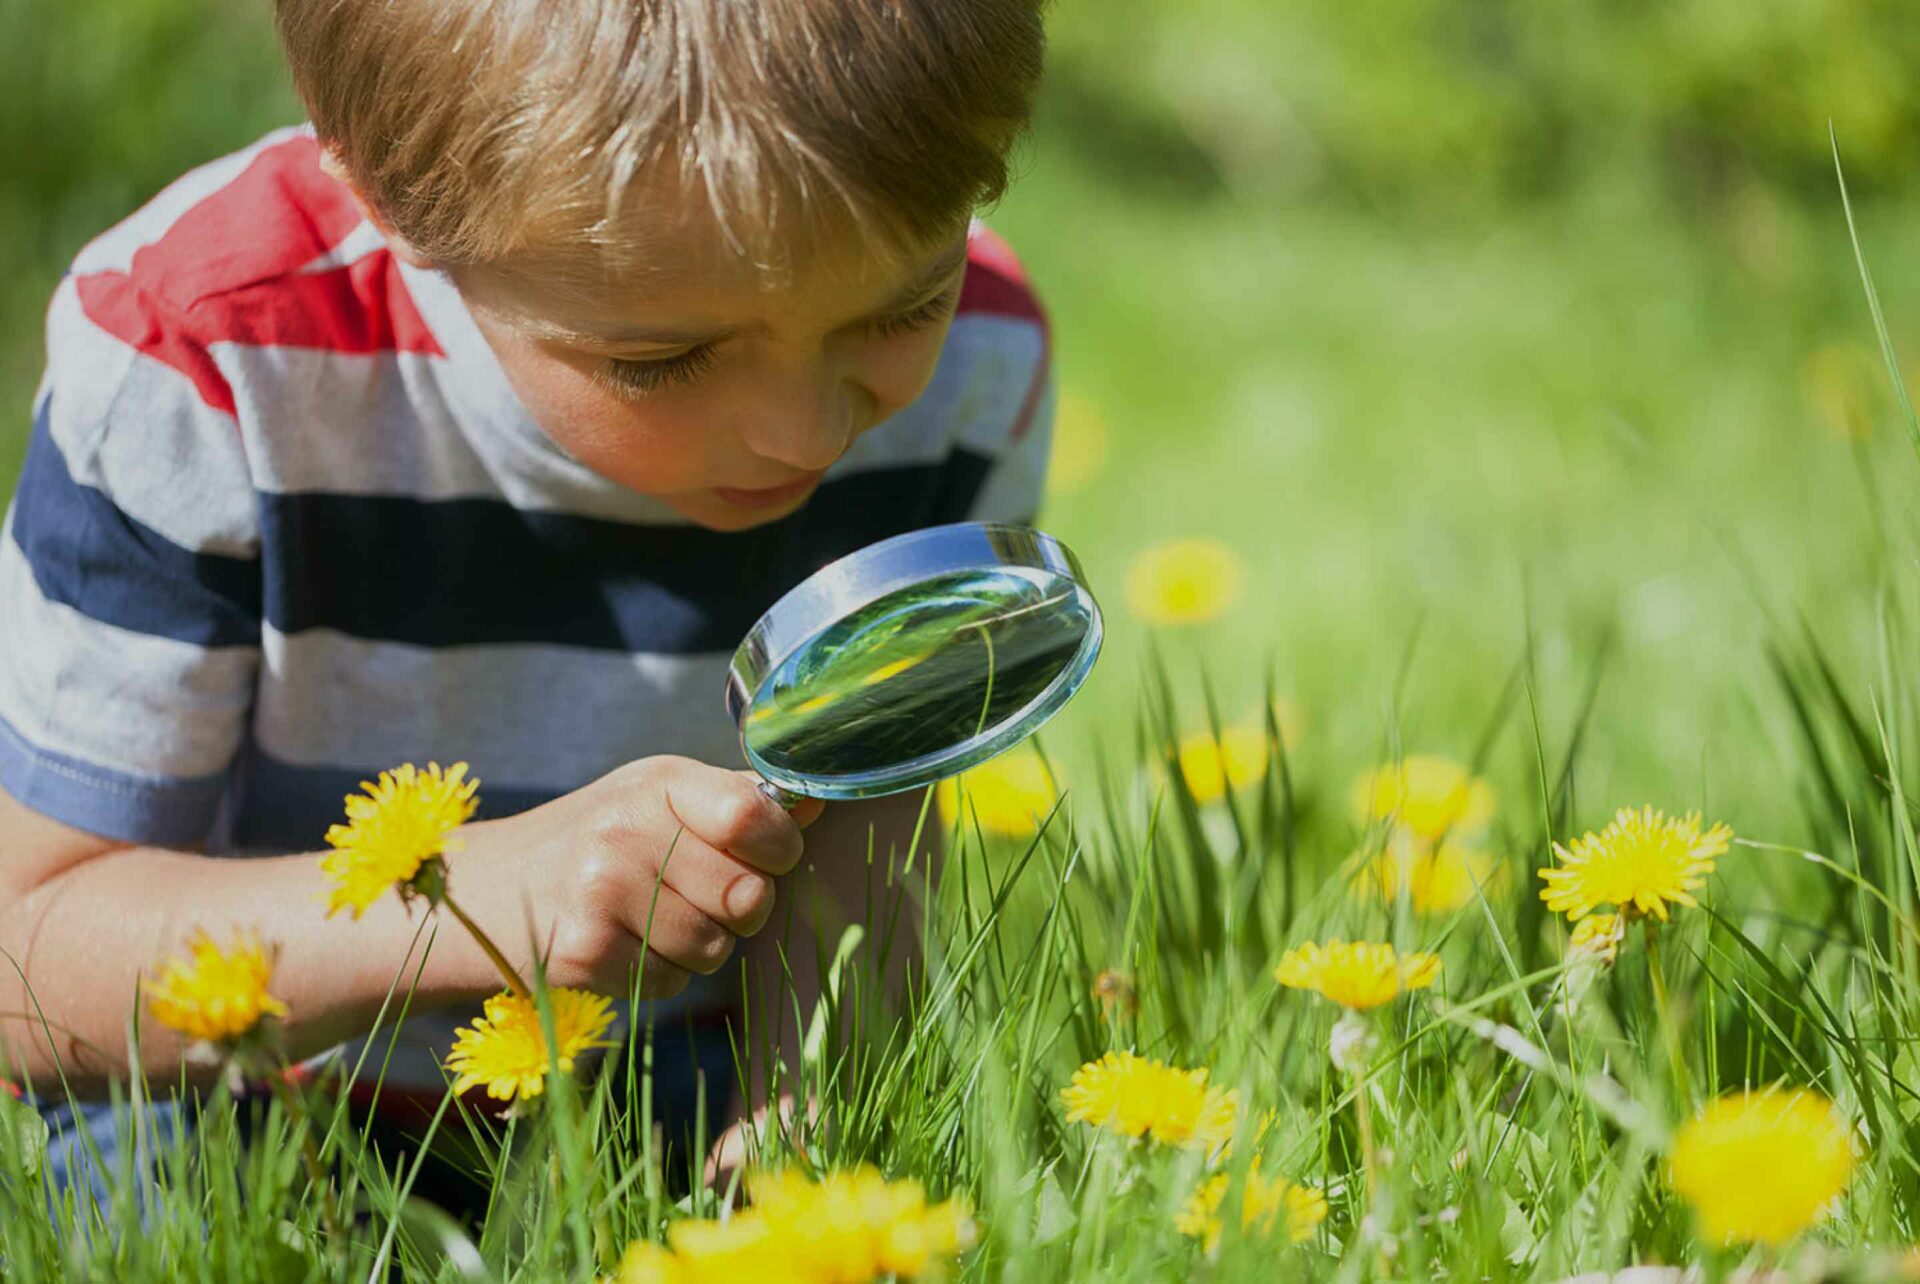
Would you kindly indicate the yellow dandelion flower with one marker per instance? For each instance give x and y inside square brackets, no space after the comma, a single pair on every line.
[505,1049]
[1356,974]
[1010,794]
[1598,935]
[1429,797]
[741,1248]
[1760,1167]
[216,994]
[846,1228]
[646,1262]
[1237,760]
[1200,1216]
[1135,1096]
[858,1225]
[1639,864]
[1260,1205]
[393,829]
[1184,581]
[1437,880]
[1079,444]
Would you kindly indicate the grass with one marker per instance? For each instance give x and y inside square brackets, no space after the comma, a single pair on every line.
[1543,491]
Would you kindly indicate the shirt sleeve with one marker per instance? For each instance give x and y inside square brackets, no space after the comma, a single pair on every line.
[1016,482]
[130,599]
[995,389]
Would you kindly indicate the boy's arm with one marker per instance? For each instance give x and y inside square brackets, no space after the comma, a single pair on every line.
[82,917]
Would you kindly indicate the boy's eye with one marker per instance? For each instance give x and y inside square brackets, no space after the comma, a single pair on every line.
[631,377]
[930,313]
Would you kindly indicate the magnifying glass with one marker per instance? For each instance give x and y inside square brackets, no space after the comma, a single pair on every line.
[911,660]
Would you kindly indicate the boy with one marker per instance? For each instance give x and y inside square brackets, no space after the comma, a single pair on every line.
[479,422]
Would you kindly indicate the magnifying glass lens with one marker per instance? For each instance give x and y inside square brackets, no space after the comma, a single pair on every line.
[916,678]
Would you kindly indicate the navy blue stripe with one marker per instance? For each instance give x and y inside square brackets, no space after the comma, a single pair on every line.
[87,554]
[281,807]
[449,572]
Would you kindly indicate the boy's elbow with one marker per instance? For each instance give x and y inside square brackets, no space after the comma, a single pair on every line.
[36,849]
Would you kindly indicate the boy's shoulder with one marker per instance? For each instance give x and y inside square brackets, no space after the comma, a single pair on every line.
[260,248]
[997,283]
[248,217]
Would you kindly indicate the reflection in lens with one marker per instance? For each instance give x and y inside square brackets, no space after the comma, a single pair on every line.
[918,673]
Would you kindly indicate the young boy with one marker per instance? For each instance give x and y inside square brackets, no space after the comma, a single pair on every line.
[478,422]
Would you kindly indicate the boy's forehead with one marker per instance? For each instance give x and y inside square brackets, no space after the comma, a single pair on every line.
[679,269]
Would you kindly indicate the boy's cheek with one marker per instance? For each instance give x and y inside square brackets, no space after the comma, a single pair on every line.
[641,448]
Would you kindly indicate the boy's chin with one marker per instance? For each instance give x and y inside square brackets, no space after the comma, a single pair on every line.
[707,509]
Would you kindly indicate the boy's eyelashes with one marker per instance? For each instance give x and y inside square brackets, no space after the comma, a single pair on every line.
[932,312]
[628,377]
[631,376]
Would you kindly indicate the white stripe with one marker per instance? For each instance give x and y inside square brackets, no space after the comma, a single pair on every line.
[137,430]
[130,702]
[113,250]
[387,423]
[532,716]
[1018,481]
[408,424]
[986,371]
[363,240]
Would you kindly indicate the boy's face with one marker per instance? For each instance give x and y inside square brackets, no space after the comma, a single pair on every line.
[722,395]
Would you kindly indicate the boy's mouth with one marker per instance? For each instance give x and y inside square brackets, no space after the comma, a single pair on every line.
[769,497]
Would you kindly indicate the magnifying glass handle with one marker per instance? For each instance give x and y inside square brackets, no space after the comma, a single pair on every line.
[786,798]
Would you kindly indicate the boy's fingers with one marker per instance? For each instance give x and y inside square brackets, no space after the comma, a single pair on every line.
[730,892]
[675,930]
[804,812]
[727,810]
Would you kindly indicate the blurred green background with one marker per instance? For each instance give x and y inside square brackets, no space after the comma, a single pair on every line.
[1483,330]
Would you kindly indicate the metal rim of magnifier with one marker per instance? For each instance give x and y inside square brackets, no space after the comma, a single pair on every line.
[869,574]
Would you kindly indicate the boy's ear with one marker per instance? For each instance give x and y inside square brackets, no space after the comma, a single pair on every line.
[335,168]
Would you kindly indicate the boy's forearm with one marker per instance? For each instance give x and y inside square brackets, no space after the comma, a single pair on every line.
[84,937]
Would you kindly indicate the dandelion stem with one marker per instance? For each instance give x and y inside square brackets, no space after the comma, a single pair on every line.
[1663,1013]
[1363,1119]
[487,946]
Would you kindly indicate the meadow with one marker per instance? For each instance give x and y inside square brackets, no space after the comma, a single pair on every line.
[1478,516]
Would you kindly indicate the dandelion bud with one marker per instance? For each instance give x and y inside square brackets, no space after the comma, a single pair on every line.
[1114,991]
[1352,1044]
[1598,937]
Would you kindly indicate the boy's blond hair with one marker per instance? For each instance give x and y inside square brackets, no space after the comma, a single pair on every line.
[486,131]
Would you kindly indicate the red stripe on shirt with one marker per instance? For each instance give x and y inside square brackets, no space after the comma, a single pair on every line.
[996,284]
[117,305]
[279,215]
[228,271]
[362,307]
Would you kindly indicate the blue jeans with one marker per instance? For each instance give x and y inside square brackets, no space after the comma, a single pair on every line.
[90,1144]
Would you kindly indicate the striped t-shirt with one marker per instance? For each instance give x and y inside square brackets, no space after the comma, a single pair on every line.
[283,523]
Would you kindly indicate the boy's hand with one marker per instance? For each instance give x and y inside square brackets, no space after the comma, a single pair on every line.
[595,870]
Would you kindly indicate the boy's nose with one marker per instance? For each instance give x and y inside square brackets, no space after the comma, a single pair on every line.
[810,434]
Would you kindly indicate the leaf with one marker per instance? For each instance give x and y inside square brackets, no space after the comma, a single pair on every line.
[442,1243]
[23,1138]
[1054,1218]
